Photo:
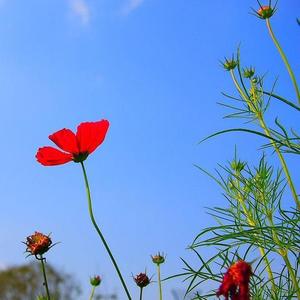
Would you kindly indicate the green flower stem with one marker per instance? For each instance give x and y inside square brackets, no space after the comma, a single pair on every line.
[284,254]
[282,161]
[284,58]
[159,282]
[293,275]
[141,293]
[252,223]
[100,233]
[45,276]
[92,293]
[268,133]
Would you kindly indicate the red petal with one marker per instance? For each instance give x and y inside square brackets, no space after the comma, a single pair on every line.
[91,134]
[65,139]
[49,156]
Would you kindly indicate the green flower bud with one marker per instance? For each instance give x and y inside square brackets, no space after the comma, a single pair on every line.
[229,64]
[95,281]
[248,72]
[265,12]
[158,258]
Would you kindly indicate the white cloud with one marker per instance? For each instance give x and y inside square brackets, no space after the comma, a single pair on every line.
[81,10]
[131,5]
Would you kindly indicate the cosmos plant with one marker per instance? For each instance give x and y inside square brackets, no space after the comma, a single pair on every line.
[254,248]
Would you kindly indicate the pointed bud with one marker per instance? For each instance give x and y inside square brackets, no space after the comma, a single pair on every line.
[158,258]
[265,12]
[229,64]
[248,72]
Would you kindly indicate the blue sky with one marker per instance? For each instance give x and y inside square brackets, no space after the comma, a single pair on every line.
[152,69]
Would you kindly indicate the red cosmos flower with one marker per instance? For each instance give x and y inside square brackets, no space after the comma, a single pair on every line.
[235,282]
[75,148]
[38,243]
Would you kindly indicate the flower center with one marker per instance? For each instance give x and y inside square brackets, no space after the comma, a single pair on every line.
[80,157]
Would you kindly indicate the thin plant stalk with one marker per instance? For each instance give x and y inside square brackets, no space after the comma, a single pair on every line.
[41,259]
[100,233]
[159,282]
[284,255]
[251,222]
[268,133]
[141,293]
[284,58]
[92,292]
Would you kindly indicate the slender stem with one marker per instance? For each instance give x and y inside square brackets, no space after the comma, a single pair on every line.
[284,58]
[292,273]
[141,293]
[282,161]
[92,293]
[252,223]
[284,254]
[268,133]
[100,233]
[45,276]
[159,282]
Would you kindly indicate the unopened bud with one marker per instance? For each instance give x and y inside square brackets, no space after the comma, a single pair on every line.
[265,12]
[158,258]
[95,281]
[141,280]
[248,72]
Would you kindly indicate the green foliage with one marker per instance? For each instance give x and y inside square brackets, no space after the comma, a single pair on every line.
[255,225]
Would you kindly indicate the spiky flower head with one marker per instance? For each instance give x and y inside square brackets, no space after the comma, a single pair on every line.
[158,258]
[229,63]
[38,243]
[96,280]
[265,12]
[141,280]
[248,72]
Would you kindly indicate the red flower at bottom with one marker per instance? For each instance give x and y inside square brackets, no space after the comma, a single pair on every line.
[235,282]
[77,147]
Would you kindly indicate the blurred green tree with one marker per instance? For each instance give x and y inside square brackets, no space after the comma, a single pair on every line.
[26,283]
